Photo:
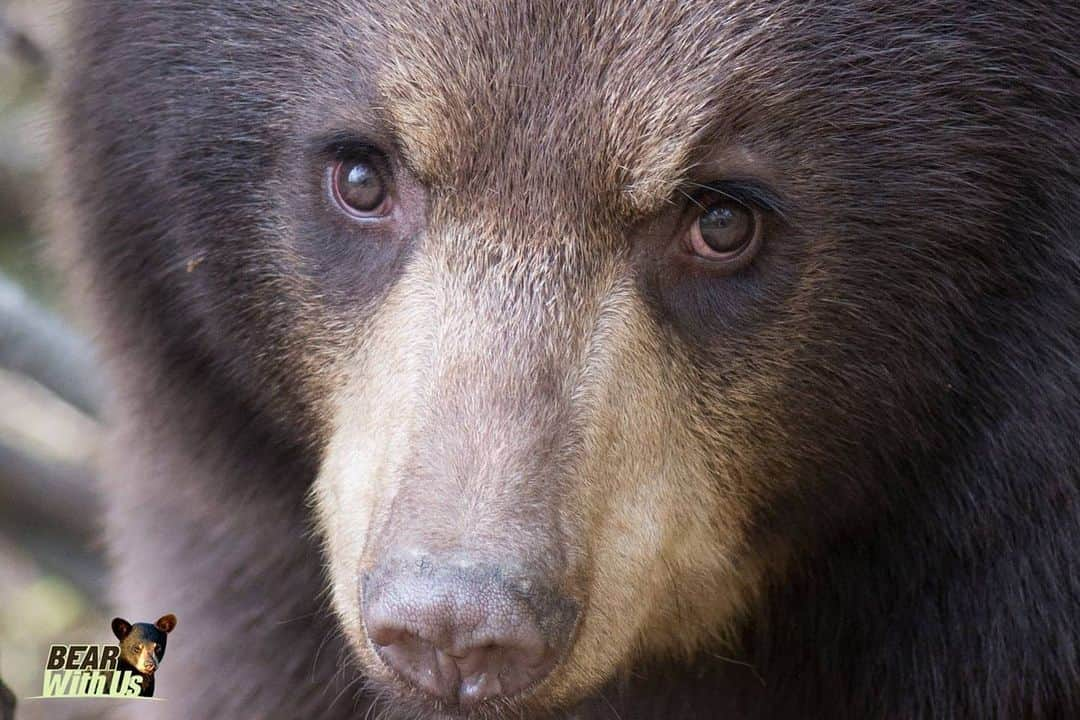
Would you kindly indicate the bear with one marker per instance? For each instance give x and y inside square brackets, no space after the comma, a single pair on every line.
[587,359]
[142,648]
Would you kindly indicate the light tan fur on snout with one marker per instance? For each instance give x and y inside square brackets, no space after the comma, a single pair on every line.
[648,534]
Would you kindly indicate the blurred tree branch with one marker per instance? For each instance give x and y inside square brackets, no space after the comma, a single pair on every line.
[54,510]
[21,46]
[36,343]
[52,506]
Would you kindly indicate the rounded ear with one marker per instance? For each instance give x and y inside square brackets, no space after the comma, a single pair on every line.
[120,628]
[166,623]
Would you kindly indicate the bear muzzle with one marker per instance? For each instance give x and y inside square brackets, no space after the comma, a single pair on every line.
[465,631]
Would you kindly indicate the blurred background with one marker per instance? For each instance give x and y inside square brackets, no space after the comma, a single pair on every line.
[52,583]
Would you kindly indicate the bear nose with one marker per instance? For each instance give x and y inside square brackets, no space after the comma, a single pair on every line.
[465,632]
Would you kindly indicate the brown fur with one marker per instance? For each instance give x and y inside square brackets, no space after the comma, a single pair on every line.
[755,486]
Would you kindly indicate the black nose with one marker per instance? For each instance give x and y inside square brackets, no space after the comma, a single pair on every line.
[465,632]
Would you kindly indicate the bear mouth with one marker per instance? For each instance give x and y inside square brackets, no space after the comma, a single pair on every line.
[393,697]
[393,700]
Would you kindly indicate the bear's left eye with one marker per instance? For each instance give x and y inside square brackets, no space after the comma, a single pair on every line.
[359,187]
[726,233]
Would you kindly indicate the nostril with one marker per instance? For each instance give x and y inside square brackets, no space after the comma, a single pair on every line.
[383,635]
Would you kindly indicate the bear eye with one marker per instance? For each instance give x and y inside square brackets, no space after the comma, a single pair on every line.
[359,188]
[726,233]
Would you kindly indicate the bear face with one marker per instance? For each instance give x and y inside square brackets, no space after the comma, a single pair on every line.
[142,645]
[595,323]
[557,385]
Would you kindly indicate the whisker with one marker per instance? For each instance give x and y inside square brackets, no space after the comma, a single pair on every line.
[692,199]
[604,696]
[742,663]
[348,686]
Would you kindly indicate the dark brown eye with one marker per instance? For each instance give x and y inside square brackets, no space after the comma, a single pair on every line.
[359,187]
[727,232]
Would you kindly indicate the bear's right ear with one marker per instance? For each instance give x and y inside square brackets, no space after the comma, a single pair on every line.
[120,628]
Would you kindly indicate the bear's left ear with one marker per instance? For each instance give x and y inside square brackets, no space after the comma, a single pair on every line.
[120,628]
[166,623]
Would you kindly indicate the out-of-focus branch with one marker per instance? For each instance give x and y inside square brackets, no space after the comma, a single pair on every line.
[21,46]
[55,511]
[54,496]
[36,343]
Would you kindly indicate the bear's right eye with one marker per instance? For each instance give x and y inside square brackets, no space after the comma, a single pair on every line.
[725,235]
[359,188]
